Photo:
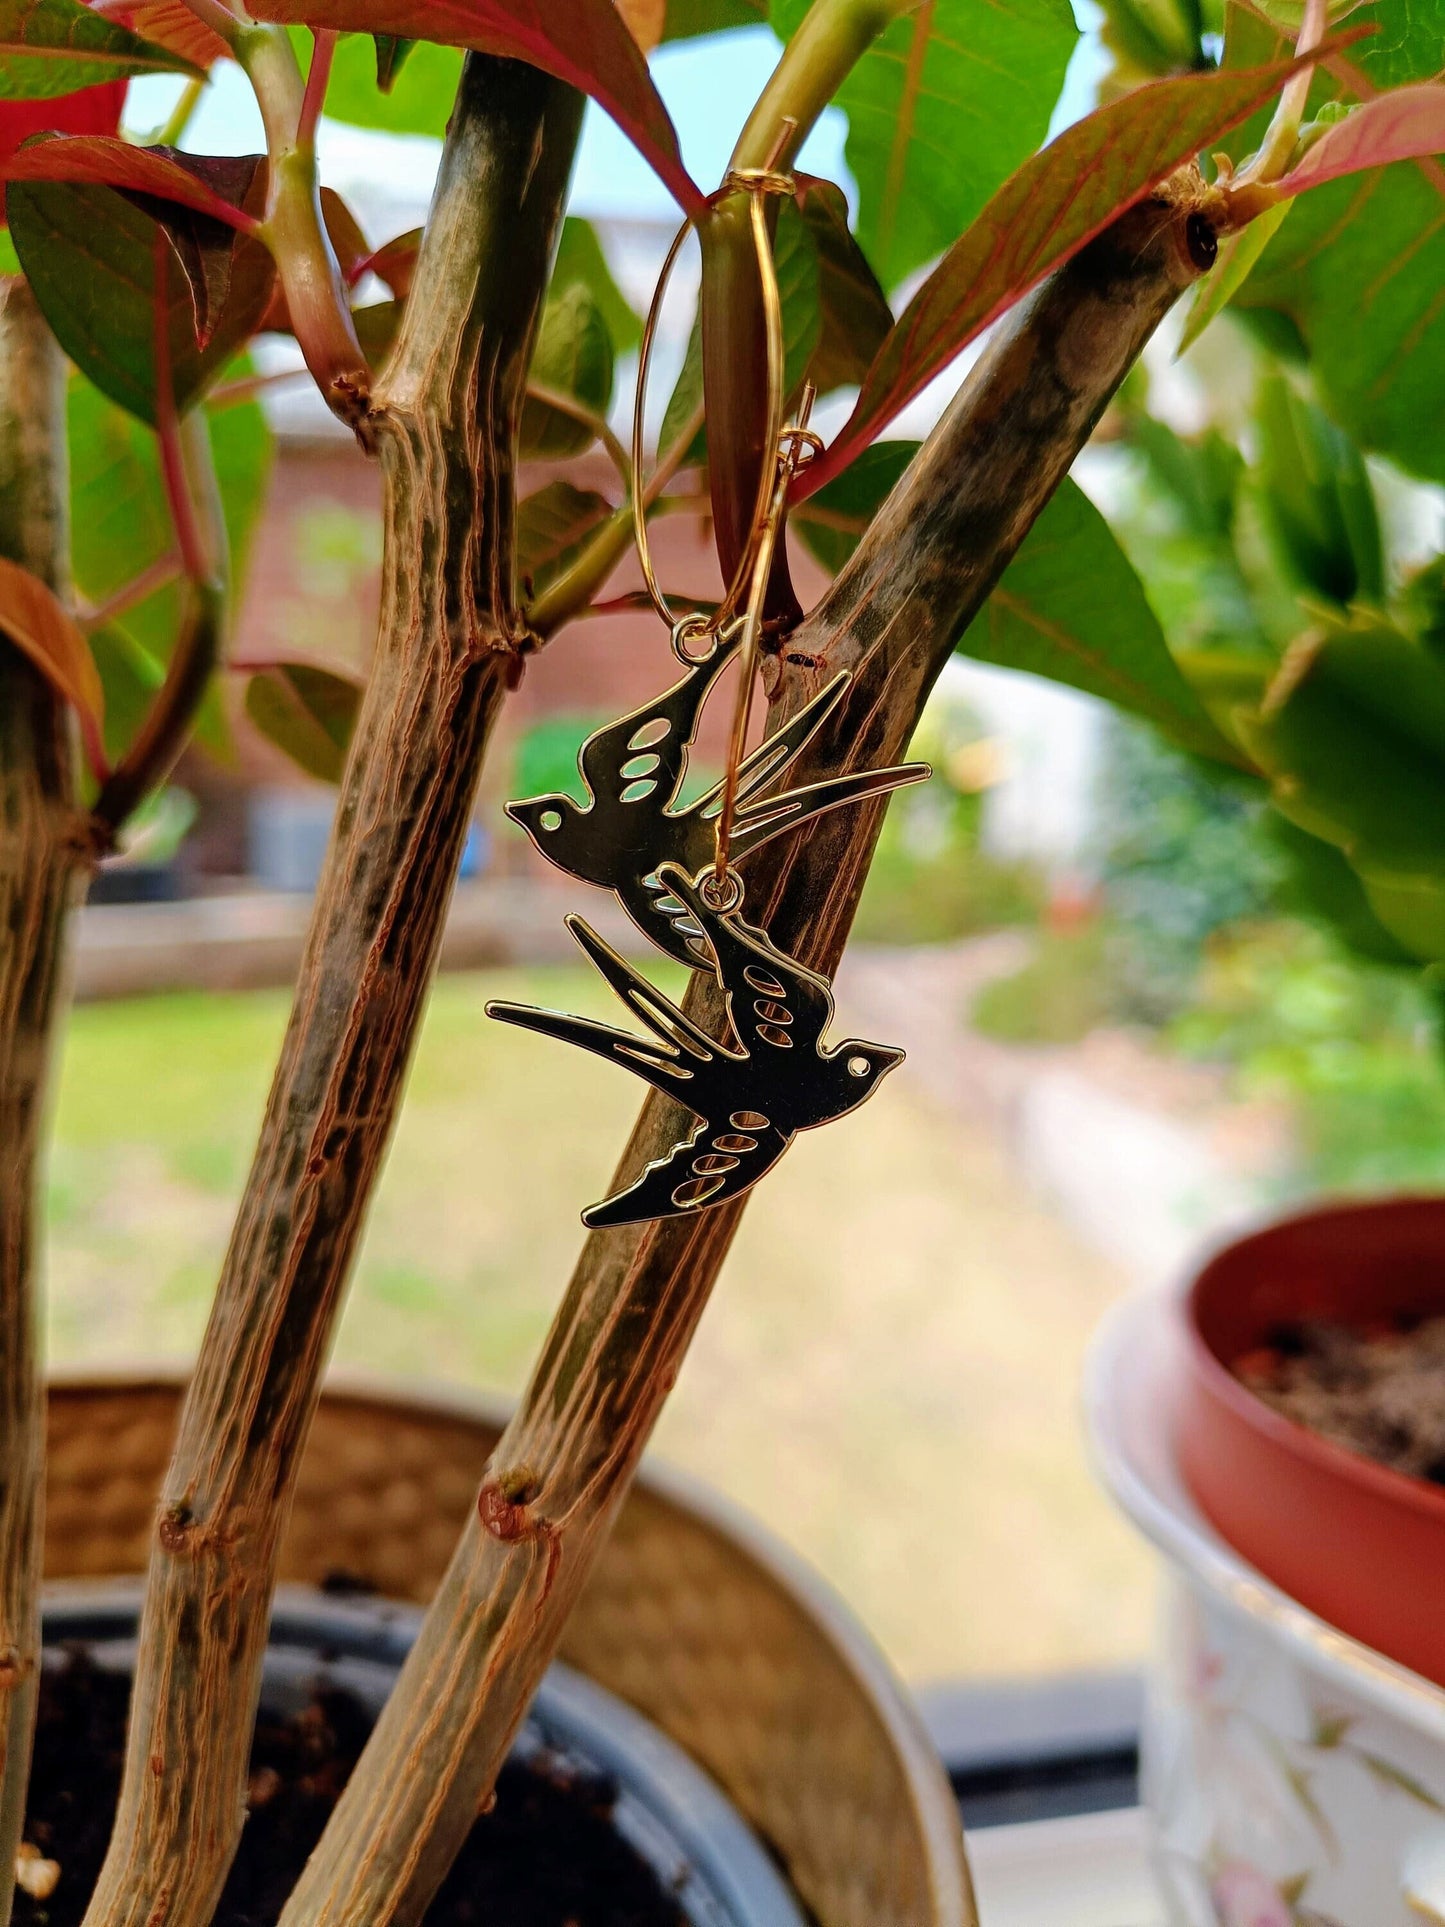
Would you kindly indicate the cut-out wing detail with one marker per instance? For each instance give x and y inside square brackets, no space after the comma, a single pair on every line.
[714,1164]
[652,742]
[671,1026]
[757,823]
[767,762]
[774,1003]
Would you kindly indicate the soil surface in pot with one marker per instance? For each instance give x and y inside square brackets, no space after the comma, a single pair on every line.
[1379,1392]
[546,1855]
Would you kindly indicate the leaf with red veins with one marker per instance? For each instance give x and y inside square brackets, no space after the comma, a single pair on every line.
[211,185]
[1043,215]
[1406,125]
[38,624]
[171,24]
[583,42]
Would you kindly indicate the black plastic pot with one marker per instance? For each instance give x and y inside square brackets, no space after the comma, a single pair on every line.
[668,1810]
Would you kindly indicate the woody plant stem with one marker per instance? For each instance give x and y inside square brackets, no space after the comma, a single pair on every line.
[446,413]
[41,847]
[919,576]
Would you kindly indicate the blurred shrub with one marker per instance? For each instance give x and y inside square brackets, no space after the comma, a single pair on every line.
[1354,1047]
[1059,996]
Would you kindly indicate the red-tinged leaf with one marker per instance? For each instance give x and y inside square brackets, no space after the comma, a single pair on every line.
[1406,125]
[349,244]
[584,42]
[89,254]
[92,110]
[211,186]
[41,628]
[49,48]
[394,263]
[205,248]
[1053,206]
[171,24]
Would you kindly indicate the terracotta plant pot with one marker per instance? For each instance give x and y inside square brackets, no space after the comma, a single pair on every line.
[1290,1774]
[692,1617]
[1358,1544]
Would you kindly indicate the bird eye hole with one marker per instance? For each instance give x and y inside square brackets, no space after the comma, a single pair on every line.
[858,1067]
[551,819]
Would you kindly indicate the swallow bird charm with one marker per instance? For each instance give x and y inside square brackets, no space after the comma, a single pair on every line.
[631,825]
[751,1100]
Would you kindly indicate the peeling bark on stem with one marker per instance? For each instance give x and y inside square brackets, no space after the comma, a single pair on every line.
[40,843]
[920,575]
[448,409]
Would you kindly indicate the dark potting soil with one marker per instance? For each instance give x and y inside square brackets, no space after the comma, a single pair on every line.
[1379,1392]
[546,1855]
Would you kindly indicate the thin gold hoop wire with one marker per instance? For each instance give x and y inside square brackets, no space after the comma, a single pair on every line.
[757,183]
[792,447]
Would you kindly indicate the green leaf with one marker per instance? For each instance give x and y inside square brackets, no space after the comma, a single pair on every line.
[1356,271]
[54,47]
[419,100]
[1050,209]
[1352,737]
[120,524]
[580,258]
[687,19]
[89,254]
[1201,474]
[1320,886]
[391,54]
[130,678]
[795,258]
[832,522]
[1069,607]
[308,713]
[552,526]
[854,316]
[201,200]
[573,356]
[1315,499]
[941,108]
[685,400]
[582,42]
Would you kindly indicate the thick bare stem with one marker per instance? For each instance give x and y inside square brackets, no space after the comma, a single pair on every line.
[39,847]
[920,575]
[449,407]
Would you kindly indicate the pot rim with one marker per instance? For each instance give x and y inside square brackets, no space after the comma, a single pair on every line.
[1129,1423]
[1394,1488]
[948,1878]
[670,1810]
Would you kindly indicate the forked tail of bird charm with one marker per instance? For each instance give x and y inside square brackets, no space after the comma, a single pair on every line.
[751,1098]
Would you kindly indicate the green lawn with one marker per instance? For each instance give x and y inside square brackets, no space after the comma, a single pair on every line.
[887,1373]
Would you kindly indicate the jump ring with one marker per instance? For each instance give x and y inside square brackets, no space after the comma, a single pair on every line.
[722,894]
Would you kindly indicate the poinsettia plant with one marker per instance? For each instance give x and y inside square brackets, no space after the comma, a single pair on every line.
[1270,158]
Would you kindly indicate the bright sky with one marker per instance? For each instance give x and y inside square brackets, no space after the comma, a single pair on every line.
[708,85]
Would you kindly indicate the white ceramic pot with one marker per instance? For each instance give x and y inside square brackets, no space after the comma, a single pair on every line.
[1293,1778]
